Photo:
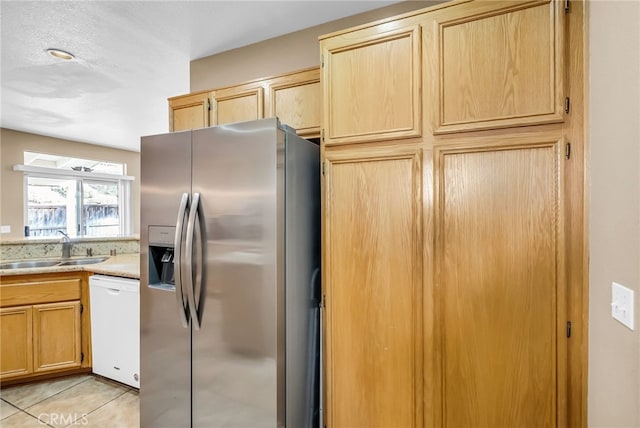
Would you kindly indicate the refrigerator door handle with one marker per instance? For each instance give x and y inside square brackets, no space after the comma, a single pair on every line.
[202,278]
[182,213]
[196,209]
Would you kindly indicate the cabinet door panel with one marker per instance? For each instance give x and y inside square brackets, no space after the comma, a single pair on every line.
[372,85]
[500,296]
[191,117]
[373,289]
[238,105]
[295,99]
[56,328]
[16,332]
[498,64]
[189,112]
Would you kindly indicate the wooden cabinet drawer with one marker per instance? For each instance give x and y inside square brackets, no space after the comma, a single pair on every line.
[31,293]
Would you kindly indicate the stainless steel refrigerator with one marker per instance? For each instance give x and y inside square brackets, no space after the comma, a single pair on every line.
[229,246]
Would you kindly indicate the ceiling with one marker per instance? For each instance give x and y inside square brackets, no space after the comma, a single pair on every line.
[130,56]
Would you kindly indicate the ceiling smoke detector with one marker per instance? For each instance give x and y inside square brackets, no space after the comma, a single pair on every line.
[60,54]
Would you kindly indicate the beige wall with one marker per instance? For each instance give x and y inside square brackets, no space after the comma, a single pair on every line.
[282,54]
[12,147]
[614,134]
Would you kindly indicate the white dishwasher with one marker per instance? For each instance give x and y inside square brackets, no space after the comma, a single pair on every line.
[115,328]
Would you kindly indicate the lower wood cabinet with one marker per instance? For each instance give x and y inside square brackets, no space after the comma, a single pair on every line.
[44,325]
[498,342]
[372,276]
[16,355]
[56,336]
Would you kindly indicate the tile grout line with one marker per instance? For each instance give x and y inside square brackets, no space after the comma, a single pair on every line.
[99,407]
[46,398]
[15,407]
[126,390]
[75,419]
[40,421]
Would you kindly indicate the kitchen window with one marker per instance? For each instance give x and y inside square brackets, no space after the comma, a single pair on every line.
[79,197]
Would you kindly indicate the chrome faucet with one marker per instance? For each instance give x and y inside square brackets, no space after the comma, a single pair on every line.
[66,245]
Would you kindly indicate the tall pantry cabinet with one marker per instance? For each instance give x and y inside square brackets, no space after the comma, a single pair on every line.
[453,218]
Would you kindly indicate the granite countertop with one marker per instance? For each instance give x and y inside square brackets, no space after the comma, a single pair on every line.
[125,265]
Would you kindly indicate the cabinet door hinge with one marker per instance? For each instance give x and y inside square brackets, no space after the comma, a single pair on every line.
[323,168]
[81,308]
[566,6]
[323,304]
[81,356]
[567,105]
[567,151]
[322,60]
[568,329]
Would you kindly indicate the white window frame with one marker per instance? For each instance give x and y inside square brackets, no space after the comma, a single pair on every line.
[123,181]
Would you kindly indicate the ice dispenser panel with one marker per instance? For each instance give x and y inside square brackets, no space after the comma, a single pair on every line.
[161,257]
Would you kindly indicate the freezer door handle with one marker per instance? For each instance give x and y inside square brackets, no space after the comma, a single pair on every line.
[200,280]
[177,265]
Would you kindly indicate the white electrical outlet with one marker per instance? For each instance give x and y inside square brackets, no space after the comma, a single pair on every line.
[5,229]
[622,304]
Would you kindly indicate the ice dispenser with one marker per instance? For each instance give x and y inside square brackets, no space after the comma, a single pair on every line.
[161,257]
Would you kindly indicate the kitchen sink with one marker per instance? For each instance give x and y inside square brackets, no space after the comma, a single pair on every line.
[26,264]
[89,261]
[29,264]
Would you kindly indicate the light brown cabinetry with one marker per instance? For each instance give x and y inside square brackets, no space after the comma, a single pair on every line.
[295,98]
[453,252]
[372,286]
[17,341]
[189,111]
[496,64]
[44,325]
[372,84]
[56,336]
[499,289]
[237,104]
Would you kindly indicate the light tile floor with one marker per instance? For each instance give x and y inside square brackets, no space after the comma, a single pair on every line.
[82,400]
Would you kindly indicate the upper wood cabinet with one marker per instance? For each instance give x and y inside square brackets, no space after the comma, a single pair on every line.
[495,64]
[296,100]
[189,111]
[237,104]
[371,84]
